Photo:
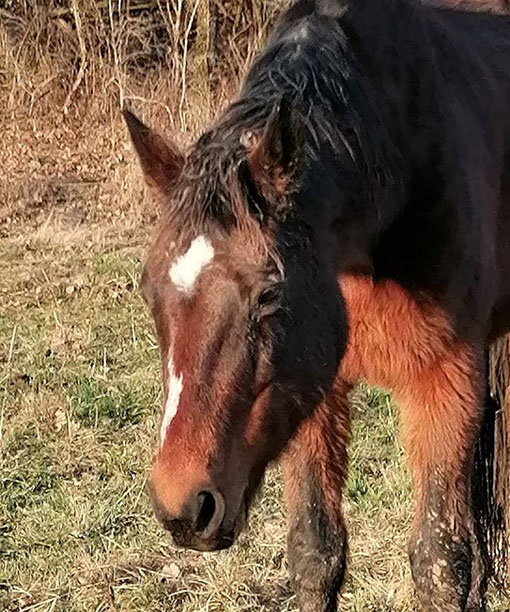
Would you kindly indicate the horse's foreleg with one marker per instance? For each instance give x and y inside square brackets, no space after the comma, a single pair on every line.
[315,467]
[441,414]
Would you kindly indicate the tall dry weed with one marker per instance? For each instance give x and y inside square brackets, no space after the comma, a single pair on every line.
[68,66]
[179,58]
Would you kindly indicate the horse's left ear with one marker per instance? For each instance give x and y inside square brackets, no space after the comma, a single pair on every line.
[275,156]
[161,162]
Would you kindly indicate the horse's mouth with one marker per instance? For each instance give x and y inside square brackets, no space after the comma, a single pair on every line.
[218,543]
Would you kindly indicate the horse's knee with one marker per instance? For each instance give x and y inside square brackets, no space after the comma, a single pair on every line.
[315,469]
[317,547]
[441,568]
[447,565]
[441,413]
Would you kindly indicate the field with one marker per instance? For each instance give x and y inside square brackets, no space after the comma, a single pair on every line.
[80,391]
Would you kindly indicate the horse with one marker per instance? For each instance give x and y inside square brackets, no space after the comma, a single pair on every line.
[345,219]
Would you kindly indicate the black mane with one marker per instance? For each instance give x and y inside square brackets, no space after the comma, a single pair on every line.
[363,77]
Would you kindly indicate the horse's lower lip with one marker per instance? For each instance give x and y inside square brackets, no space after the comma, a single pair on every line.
[221,542]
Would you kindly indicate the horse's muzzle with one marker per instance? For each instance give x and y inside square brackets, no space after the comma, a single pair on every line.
[200,524]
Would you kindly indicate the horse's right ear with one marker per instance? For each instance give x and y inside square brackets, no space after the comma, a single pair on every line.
[161,162]
[275,156]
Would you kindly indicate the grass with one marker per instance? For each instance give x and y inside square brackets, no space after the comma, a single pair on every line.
[79,411]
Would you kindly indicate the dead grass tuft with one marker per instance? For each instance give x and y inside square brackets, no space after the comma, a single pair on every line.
[66,69]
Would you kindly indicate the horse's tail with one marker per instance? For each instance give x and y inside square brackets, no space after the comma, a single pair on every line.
[491,486]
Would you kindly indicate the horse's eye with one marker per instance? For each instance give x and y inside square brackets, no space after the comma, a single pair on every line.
[268,302]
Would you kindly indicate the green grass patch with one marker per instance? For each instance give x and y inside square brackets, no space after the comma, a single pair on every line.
[95,403]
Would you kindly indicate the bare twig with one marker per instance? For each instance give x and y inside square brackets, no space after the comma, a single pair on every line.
[83,53]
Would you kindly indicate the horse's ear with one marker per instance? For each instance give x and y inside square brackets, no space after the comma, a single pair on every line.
[275,156]
[161,162]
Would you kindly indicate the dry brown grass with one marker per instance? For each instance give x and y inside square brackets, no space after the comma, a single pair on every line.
[64,56]
[67,67]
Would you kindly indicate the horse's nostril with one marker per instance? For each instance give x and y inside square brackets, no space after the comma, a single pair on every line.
[206,508]
[210,512]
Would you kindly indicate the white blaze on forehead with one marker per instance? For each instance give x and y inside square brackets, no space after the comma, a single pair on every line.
[185,271]
[173,398]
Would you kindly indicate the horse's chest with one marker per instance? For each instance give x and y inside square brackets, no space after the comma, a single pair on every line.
[392,337]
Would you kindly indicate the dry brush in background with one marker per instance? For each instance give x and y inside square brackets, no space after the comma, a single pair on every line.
[66,68]
[60,55]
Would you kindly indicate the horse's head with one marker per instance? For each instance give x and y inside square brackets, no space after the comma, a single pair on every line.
[248,316]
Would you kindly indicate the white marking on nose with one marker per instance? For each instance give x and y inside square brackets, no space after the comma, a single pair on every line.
[185,271]
[173,397]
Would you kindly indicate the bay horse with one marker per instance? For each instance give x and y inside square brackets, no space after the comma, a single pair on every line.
[347,218]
